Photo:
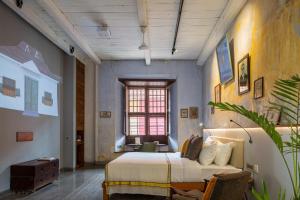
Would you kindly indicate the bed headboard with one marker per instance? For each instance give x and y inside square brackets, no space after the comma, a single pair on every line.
[237,155]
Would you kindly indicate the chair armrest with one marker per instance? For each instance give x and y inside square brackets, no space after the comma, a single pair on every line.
[205,184]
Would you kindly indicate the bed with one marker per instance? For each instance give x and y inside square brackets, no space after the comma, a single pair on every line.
[157,173]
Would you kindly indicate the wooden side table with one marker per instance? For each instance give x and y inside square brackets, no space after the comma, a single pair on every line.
[250,186]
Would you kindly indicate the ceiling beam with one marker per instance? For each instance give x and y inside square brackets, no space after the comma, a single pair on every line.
[69,29]
[229,14]
[28,15]
[143,21]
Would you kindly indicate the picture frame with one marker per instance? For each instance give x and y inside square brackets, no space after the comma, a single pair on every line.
[24,136]
[224,59]
[105,114]
[274,116]
[244,75]
[193,112]
[218,93]
[184,113]
[258,88]
[212,110]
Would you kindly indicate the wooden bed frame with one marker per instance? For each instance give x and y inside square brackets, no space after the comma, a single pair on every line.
[237,160]
[180,186]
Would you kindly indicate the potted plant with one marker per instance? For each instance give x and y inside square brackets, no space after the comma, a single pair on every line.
[286,93]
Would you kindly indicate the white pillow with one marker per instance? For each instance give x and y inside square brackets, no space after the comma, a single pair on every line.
[209,139]
[208,152]
[223,153]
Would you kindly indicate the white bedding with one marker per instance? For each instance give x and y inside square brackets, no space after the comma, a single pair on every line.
[185,170]
[153,167]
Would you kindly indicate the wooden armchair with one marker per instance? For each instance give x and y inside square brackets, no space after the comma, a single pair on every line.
[220,187]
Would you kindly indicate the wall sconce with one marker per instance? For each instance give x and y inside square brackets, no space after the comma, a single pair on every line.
[250,138]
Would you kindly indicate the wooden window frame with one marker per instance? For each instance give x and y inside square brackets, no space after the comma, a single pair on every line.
[147,114]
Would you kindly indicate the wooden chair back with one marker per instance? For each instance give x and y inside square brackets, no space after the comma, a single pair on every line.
[148,147]
[227,186]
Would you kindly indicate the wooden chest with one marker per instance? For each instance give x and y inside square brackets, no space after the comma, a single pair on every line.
[31,175]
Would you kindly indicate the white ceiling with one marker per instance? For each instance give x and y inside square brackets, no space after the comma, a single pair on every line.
[198,20]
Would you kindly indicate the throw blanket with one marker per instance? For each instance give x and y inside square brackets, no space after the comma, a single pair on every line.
[139,169]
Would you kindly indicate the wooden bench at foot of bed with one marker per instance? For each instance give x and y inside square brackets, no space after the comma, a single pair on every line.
[180,186]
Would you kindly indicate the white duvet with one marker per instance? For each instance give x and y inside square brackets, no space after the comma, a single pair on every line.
[153,167]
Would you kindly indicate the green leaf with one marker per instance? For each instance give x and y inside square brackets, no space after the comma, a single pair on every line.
[256,195]
[260,120]
[281,195]
[261,196]
[285,95]
[284,100]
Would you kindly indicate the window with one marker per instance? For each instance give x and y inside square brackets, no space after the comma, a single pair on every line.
[147,111]
[47,99]
[31,96]
[8,87]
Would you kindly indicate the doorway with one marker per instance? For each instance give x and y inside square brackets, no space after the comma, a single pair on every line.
[80,84]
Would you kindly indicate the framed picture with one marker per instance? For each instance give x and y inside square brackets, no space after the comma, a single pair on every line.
[259,88]
[184,113]
[193,112]
[273,116]
[105,114]
[244,75]
[24,136]
[224,61]
[212,110]
[218,93]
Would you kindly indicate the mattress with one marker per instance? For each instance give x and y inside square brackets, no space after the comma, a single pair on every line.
[157,168]
[139,173]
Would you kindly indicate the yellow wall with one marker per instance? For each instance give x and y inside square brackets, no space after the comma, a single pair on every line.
[270,33]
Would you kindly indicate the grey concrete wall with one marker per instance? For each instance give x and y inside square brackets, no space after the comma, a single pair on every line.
[89,113]
[69,112]
[186,74]
[46,129]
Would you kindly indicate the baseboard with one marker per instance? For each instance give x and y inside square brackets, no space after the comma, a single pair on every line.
[101,163]
[4,190]
[67,169]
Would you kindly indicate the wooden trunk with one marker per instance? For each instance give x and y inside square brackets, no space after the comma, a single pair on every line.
[31,175]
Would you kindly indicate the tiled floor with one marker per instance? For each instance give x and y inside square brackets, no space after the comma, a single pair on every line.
[81,185]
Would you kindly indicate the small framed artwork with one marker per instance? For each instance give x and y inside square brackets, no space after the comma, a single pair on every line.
[224,61]
[212,110]
[244,75]
[273,116]
[105,114]
[184,113]
[193,111]
[259,88]
[218,93]
[24,136]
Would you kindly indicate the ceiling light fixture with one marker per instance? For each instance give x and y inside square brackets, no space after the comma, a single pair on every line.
[143,46]
[174,50]
[104,31]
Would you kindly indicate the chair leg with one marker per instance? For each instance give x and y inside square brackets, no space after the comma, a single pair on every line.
[245,196]
[171,193]
[104,191]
